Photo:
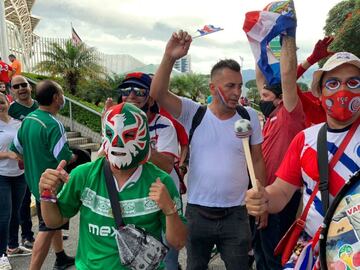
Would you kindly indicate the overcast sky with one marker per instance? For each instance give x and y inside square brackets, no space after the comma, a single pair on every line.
[141,28]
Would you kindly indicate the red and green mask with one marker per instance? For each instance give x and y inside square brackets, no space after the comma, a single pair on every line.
[126,136]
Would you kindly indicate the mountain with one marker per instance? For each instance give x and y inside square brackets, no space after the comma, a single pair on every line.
[249,74]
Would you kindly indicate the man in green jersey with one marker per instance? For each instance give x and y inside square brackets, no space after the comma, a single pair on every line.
[19,109]
[41,140]
[147,195]
[23,103]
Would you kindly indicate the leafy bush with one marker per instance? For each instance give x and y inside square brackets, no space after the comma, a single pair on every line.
[82,115]
[79,114]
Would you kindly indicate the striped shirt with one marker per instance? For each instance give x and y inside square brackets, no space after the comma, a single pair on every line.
[42,141]
[299,167]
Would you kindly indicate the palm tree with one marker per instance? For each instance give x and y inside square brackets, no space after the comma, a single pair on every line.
[194,86]
[72,62]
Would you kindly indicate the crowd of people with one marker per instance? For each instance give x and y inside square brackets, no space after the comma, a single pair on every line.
[152,138]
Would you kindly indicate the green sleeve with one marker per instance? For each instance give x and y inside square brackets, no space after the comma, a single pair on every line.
[175,196]
[69,198]
[58,143]
[16,144]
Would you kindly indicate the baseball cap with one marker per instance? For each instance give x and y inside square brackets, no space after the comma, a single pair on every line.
[136,79]
[333,62]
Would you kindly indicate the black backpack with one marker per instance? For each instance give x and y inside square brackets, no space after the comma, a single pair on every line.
[199,115]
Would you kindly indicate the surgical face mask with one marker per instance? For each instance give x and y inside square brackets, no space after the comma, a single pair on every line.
[126,136]
[62,106]
[267,107]
[342,105]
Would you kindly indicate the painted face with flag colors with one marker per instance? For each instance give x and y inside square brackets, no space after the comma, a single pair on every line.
[126,136]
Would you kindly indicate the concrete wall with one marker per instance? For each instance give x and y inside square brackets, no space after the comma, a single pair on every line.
[85,131]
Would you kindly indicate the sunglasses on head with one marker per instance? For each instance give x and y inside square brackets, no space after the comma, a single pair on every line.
[334,84]
[17,86]
[139,92]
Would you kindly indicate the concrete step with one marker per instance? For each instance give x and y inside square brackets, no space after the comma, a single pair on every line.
[72,134]
[93,147]
[77,141]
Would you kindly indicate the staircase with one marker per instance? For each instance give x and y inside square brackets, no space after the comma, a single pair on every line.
[76,140]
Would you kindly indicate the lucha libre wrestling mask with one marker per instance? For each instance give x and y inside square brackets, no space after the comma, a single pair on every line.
[126,136]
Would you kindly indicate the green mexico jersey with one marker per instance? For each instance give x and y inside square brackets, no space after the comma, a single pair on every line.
[86,192]
[42,142]
[19,111]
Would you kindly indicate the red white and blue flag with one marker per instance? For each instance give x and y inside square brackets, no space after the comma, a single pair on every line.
[261,27]
[208,29]
[76,40]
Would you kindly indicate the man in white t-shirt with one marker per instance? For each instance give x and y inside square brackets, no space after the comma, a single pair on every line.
[218,178]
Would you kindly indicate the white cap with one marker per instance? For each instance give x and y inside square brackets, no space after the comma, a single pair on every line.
[333,62]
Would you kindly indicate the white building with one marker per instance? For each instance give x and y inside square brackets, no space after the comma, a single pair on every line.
[16,29]
[183,64]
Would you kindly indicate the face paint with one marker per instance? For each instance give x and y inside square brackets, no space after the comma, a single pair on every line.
[342,105]
[221,95]
[126,136]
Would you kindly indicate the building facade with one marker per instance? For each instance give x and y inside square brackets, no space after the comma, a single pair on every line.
[183,64]
[17,36]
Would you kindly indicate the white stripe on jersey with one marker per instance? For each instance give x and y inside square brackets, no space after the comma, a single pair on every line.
[59,146]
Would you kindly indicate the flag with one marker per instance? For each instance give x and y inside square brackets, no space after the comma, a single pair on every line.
[208,29]
[76,40]
[261,27]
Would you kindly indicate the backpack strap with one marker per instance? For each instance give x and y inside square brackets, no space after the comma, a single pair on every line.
[322,160]
[199,115]
[242,112]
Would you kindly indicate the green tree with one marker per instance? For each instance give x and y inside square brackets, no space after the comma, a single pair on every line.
[344,23]
[303,86]
[194,86]
[253,93]
[72,62]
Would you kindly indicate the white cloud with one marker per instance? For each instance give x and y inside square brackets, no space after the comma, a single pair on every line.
[141,28]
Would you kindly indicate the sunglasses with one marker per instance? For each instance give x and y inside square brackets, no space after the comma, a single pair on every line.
[334,84]
[139,92]
[17,86]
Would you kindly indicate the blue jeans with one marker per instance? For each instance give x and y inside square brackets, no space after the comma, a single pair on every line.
[171,259]
[25,217]
[230,233]
[266,240]
[12,191]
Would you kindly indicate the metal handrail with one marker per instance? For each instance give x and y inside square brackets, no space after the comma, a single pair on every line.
[70,100]
[82,106]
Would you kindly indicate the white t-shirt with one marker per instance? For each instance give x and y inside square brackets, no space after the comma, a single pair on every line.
[218,173]
[9,167]
[164,139]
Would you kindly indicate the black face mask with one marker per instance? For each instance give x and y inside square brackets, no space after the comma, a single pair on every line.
[267,107]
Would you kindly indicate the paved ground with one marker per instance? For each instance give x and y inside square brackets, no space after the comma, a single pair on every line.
[22,263]
[70,245]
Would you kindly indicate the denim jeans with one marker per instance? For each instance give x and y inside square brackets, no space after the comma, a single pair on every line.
[266,240]
[25,217]
[171,259]
[231,235]
[12,191]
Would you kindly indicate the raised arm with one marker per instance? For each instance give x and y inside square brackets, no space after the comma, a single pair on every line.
[260,79]
[177,47]
[288,67]
[320,51]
